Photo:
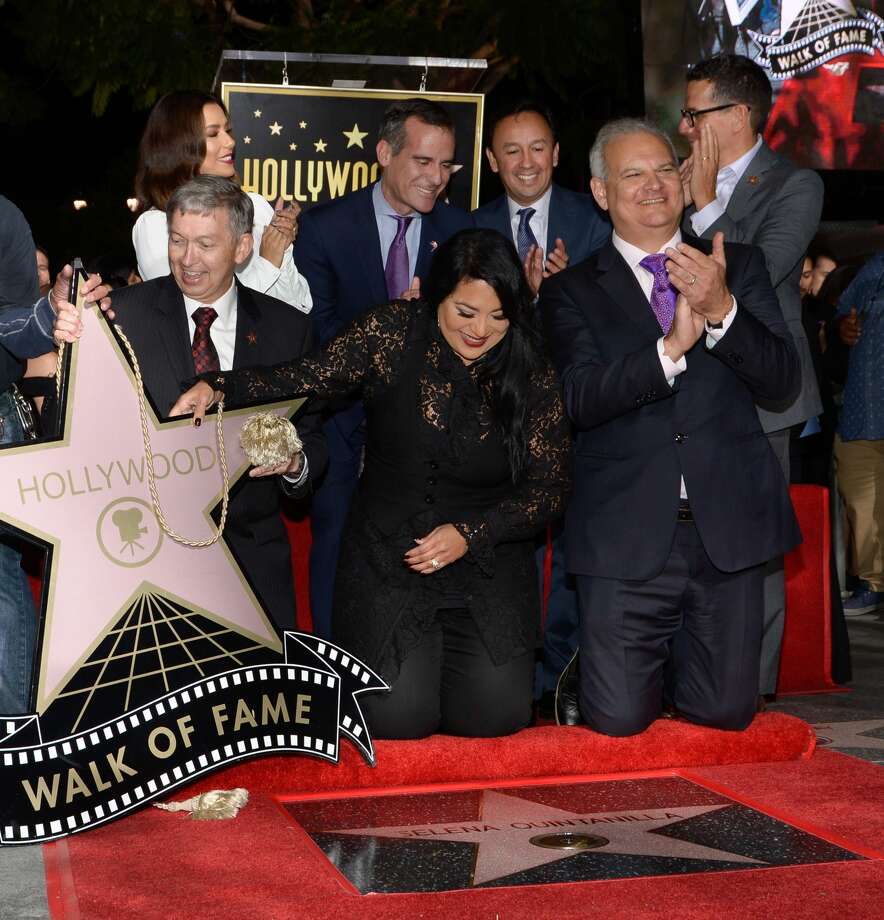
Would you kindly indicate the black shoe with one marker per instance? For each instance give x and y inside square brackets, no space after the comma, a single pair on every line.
[568,693]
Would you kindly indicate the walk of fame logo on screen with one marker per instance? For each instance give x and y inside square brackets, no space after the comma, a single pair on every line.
[811,33]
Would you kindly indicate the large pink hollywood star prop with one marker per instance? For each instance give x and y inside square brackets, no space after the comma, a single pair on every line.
[87,496]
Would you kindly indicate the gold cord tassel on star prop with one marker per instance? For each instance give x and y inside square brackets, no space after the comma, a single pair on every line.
[268,440]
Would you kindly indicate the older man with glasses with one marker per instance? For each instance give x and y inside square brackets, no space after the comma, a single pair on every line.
[734,183]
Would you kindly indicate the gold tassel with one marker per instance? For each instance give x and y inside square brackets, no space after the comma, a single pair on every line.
[269,440]
[210,806]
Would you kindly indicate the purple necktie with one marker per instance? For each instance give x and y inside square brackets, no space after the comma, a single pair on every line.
[396,270]
[663,294]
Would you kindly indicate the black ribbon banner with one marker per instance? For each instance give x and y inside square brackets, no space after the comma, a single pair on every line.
[300,705]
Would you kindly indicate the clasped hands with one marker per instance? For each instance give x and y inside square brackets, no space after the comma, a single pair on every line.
[703,294]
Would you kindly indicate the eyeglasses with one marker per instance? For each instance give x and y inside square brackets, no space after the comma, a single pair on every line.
[691,114]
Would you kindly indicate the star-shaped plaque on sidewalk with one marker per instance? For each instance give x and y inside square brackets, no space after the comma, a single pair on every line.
[85,496]
[515,834]
[547,833]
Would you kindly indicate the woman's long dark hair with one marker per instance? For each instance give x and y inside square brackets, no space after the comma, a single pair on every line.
[173,145]
[486,255]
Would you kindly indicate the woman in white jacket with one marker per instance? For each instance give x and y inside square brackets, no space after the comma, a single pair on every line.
[188,134]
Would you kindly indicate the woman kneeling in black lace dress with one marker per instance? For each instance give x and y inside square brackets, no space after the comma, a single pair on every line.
[466,459]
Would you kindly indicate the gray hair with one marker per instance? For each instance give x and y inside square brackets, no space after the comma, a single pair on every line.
[204,194]
[618,128]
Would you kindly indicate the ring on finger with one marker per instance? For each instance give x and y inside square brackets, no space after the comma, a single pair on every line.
[435,563]
[693,279]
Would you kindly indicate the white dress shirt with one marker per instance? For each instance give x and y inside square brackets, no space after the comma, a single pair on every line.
[222,332]
[150,237]
[385,216]
[725,183]
[539,222]
[632,255]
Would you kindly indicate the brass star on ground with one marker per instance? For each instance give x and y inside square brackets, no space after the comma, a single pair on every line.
[354,137]
[509,822]
[320,146]
[275,128]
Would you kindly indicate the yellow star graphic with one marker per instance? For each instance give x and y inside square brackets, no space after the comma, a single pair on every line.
[275,128]
[293,146]
[320,146]
[302,124]
[257,113]
[247,140]
[354,137]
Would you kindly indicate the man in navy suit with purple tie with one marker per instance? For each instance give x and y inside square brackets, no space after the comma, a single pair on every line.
[664,342]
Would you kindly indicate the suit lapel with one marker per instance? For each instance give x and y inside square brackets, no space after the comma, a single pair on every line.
[368,245]
[429,242]
[248,316]
[173,330]
[753,184]
[561,220]
[501,218]
[619,283]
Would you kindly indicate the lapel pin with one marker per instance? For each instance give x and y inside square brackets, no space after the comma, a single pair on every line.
[251,338]
[753,180]
[433,245]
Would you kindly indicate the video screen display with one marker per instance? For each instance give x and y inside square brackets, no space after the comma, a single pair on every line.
[824,58]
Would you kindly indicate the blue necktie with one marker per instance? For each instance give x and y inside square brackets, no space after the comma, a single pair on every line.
[525,237]
[396,270]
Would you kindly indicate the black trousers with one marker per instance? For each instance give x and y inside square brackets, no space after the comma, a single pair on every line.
[448,683]
[693,624]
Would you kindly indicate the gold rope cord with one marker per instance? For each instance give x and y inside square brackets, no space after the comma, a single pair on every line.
[148,456]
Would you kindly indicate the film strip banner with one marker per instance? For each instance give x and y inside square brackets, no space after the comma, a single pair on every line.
[863,34]
[300,706]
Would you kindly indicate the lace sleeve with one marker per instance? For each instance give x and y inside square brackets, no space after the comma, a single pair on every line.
[369,349]
[540,494]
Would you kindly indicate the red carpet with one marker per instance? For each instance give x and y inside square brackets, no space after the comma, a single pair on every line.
[157,866]
[543,751]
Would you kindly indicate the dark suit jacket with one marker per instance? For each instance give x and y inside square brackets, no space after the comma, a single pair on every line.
[338,251]
[268,331]
[636,435]
[573,217]
[777,207]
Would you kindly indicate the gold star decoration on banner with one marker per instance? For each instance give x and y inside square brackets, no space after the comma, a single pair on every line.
[354,137]
[257,113]
[320,146]
[275,128]
[302,124]
[293,146]
[247,140]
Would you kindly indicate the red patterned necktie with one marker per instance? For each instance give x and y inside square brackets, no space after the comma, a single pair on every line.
[663,294]
[205,358]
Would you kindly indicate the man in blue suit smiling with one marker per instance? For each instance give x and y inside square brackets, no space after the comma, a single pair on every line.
[363,249]
[551,227]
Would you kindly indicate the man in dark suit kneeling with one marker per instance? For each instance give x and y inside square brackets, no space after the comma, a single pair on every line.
[664,343]
[201,318]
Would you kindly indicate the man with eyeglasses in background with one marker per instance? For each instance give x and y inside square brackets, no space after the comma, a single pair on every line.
[734,183]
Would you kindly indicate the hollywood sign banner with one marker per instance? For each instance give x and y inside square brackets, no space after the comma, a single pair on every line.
[156,661]
[312,144]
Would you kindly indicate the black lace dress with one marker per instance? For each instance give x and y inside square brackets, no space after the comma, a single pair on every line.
[432,457]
